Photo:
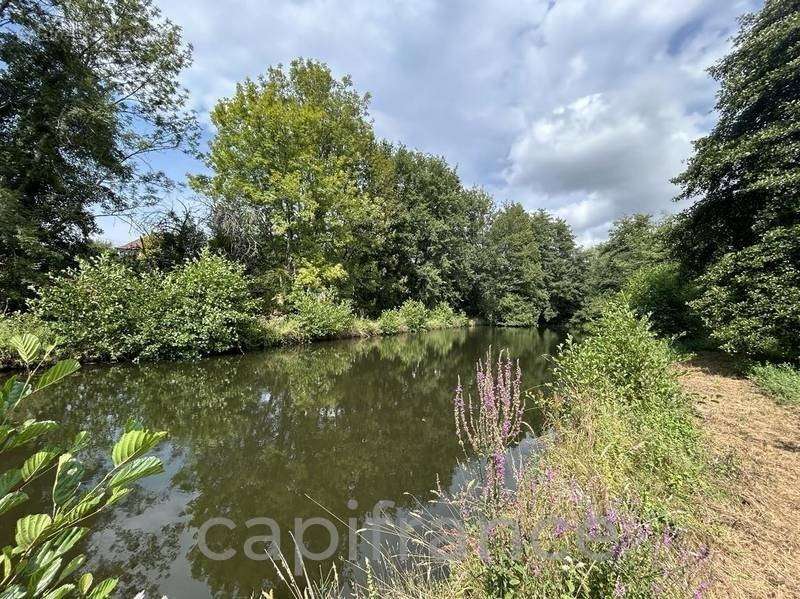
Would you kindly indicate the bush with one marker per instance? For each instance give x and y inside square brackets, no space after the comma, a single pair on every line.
[391,323]
[750,300]
[109,312]
[444,317]
[620,389]
[36,564]
[663,293]
[320,316]
[781,381]
[414,315]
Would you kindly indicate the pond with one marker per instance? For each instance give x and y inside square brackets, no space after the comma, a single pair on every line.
[318,431]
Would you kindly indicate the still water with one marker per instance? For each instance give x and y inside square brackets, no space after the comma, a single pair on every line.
[274,434]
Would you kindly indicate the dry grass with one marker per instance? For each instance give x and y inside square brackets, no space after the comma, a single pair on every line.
[757,548]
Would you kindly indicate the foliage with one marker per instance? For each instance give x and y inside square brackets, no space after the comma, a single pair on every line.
[110,312]
[781,381]
[443,317]
[744,174]
[321,316]
[512,281]
[664,293]
[286,160]
[391,322]
[89,89]
[414,315]
[36,564]
[16,325]
[750,299]
[620,387]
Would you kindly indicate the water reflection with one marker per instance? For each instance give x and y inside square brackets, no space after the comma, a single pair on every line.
[257,435]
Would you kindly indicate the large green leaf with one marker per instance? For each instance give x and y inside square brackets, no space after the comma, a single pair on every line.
[57,372]
[117,494]
[36,463]
[30,430]
[86,506]
[12,500]
[68,478]
[14,391]
[27,346]
[133,444]
[104,589]
[30,528]
[85,583]
[138,468]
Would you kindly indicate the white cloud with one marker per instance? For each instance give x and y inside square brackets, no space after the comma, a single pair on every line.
[584,107]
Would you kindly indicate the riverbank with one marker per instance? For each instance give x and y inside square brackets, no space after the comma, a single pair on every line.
[756,548]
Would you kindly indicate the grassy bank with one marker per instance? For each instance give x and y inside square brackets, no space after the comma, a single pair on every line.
[779,381]
[608,504]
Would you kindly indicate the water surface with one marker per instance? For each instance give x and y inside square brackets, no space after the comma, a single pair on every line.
[274,434]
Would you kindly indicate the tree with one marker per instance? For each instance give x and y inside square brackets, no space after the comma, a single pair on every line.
[512,282]
[425,245]
[289,163]
[563,267]
[633,243]
[88,88]
[745,178]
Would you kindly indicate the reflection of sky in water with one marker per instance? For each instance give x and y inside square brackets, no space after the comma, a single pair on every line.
[258,435]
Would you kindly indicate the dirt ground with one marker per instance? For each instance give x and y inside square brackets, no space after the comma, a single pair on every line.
[756,552]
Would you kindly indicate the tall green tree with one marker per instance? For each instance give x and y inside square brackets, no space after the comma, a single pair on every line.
[512,281]
[745,178]
[425,245]
[289,163]
[563,267]
[88,88]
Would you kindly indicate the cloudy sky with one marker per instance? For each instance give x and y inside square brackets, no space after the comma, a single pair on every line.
[583,107]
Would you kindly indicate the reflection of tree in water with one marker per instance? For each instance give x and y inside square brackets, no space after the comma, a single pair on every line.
[253,435]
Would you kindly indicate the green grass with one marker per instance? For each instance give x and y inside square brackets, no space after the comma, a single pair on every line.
[781,381]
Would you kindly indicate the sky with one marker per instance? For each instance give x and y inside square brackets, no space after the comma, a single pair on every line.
[586,108]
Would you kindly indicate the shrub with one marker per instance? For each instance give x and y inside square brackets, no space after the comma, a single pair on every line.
[443,317]
[320,316]
[414,315]
[109,312]
[391,323]
[663,293]
[619,388]
[36,563]
[363,327]
[750,299]
[781,381]
[198,309]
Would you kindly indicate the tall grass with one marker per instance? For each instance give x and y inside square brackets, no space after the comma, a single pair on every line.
[781,381]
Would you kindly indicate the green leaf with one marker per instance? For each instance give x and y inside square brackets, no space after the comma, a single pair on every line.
[85,507]
[30,528]
[8,479]
[138,468]
[36,463]
[27,346]
[15,592]
[15,392]
[67,539]
[133,444]
[60,592]
[68,479]
[57,372]
[85,582]
[80,441]
[104,589]
[30,430]
[117,494]
[73,565]
[12,500]
[42,579]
